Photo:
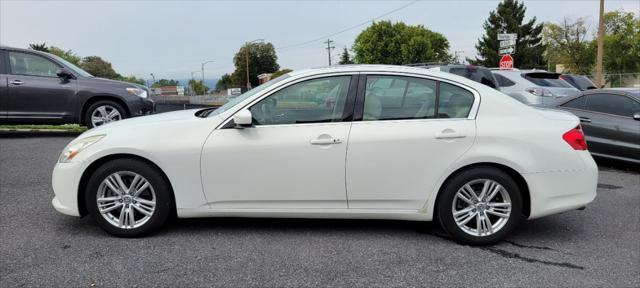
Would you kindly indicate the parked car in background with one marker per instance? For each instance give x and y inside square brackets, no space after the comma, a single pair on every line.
[393,142]
[479,74]
[581,82]
[610,120]
[41,88]
[533,87]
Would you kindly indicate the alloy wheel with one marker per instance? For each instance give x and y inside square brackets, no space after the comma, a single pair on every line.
[481,207]
[105,114]
[126,200]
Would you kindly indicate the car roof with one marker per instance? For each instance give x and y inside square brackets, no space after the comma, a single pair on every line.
[633,92]
[371,68]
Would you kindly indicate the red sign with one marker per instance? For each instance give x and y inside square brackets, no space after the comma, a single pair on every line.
[506,62]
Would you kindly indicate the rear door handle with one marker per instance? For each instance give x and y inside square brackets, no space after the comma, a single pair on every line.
[325,141]
[449,134]
[585,120]
[17,82]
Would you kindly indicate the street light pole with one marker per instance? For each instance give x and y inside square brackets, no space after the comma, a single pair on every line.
[246,56]
[154,79]
[205,62]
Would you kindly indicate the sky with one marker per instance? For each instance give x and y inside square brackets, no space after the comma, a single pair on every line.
[172,38]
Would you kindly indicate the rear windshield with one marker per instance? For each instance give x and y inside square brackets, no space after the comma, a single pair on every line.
[584,82]
[546,79]
[475,74]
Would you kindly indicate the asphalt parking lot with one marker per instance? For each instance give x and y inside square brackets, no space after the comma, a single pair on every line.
[599,246]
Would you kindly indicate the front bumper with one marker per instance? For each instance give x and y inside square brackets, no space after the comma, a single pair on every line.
[143,107]
[65,181]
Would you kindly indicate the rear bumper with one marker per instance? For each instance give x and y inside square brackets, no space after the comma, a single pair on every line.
[560,191]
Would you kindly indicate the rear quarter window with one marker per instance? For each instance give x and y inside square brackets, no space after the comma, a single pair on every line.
[577,103]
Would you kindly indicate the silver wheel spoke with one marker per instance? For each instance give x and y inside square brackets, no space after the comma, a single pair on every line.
[465,218]
[499,214]
[113,114]
[143,209]
[108,208]
[103,111]
[141,189]
[493,192]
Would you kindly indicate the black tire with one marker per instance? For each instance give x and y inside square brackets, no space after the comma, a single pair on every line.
[444,208]
[94,106]
[161,187]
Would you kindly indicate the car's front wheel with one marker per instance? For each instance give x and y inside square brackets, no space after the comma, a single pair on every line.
[480,206]
[103,112]
[129,197]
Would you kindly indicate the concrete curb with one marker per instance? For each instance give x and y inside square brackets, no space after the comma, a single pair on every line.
[15,133]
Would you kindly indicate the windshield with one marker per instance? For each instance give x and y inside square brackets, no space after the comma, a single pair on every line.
[72,67]
[242,97]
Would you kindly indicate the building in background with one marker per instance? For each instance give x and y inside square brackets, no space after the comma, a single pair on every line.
[264,77]
[170,91]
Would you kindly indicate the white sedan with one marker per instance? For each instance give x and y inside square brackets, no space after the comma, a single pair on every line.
[362,141]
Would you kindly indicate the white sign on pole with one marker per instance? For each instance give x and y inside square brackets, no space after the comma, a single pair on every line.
[509,50]
[507,43]
[507,36]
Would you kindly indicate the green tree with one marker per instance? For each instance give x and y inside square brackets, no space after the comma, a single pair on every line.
[165,82]
[508,18]
[224,82]
[621,43]
[198,87]
[132,79]
[98,67]
[39,47]
[387,43]
[66,55]
[566,44]
[345,58]
[280,73]
[262,59]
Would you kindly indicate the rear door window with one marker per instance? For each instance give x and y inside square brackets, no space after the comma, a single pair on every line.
[546,79]
[612,104]
[399,97]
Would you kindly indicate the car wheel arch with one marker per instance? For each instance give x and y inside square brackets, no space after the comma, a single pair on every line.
[91,168]
[513,173]
[102,97]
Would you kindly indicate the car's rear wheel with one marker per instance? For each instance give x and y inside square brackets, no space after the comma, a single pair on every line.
[480,206]
[103,112]
[128,198]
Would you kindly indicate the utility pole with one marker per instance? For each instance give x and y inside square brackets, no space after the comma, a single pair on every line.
[202,67]
[600,52]
[329,47]
[154,78]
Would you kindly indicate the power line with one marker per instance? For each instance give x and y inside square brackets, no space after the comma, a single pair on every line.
[349,28]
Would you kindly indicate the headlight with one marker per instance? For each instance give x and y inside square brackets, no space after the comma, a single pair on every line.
[74,148]
[137,92]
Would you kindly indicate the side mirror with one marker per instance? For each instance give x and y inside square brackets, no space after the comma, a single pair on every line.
[243,119]
[64,73]
[636,116]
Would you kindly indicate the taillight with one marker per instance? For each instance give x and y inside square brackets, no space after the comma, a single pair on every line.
[575,138]
[539,91]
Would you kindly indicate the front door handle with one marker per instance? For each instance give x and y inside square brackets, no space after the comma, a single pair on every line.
[449,134]
[585,120]
[17,82]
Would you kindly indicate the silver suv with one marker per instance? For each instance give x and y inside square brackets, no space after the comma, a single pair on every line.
[533,87]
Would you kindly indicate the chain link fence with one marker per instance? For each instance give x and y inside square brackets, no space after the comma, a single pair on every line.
[620,80]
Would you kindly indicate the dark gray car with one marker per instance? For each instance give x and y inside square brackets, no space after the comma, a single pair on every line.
[610,119]
[41,88]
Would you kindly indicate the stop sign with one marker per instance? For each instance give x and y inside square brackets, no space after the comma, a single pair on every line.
[506,62]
